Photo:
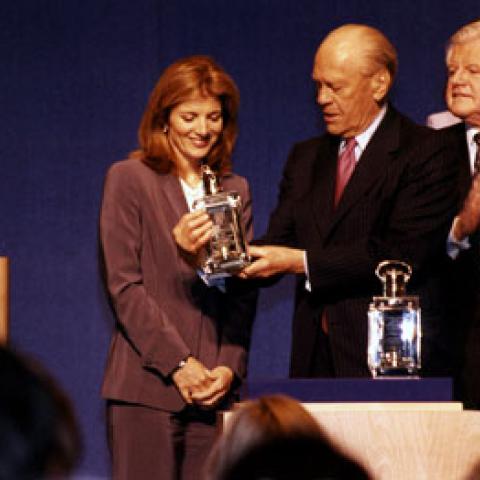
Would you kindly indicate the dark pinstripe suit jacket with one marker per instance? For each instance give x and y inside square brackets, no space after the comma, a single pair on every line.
[398,204]
[464,289]
[164,311]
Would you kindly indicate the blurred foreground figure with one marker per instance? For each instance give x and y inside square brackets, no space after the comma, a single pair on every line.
[39,438]
[274,437]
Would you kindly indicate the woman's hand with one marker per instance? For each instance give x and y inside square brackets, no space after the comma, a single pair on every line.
[222,378]
[192,378]
[193,231]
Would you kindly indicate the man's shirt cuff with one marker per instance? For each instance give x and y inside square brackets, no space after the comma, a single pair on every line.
[308,285]
[454,246]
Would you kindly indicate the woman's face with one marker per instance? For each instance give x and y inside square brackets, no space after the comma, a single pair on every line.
[194,127]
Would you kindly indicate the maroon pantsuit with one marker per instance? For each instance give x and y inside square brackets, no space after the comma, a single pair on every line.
[164,313]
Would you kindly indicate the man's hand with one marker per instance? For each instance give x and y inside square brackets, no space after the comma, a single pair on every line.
[271,260]
[192,378]
[222,380]
[468,220]
[193,231]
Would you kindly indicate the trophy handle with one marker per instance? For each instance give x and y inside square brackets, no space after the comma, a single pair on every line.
[210,181]
[394,276]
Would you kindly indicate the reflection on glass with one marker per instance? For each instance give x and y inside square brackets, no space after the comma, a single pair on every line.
[394,325]
[225,253]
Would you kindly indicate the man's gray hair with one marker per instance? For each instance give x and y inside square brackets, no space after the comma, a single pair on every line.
[466,33]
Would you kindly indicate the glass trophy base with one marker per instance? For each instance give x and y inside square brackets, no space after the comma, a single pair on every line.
[401,373]
[214,270]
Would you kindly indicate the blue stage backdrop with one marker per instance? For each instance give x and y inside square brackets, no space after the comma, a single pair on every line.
[75,79]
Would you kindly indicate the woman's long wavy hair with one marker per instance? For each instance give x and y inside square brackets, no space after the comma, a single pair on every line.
[180,82]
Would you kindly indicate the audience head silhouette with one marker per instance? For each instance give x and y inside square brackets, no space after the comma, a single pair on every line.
[39,438]
[274,437]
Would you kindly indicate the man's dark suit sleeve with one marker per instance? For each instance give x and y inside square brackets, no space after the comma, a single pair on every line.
[417,203]
[281,227]
[417,221]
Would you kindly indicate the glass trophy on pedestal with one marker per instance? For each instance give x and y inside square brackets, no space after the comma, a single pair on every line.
[394,325]
[226,252]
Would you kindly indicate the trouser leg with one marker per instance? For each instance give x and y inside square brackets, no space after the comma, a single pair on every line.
[142,443]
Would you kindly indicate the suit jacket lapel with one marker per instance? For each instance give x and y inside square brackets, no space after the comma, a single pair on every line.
[324,183]
[371,165]
[177,205]
[465,173]
[172,199]
[174,207]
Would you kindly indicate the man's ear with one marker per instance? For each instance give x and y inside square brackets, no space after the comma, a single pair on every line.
[380,84]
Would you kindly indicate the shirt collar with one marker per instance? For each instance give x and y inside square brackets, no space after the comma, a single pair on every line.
[364,137]
[191,193]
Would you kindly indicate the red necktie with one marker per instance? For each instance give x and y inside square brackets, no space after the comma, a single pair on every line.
[345,166]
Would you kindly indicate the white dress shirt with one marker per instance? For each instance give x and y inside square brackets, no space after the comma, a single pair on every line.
[192,193]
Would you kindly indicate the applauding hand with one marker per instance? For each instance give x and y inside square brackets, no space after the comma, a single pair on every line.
[468,220]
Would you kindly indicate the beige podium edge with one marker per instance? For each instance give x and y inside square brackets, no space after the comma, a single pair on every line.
[4,288]
[402,440]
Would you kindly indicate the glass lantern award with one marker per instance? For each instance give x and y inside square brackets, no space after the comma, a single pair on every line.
[226,252]
[394,326]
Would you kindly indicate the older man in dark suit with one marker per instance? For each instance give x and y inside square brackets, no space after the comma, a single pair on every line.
[463,100]
[374,187]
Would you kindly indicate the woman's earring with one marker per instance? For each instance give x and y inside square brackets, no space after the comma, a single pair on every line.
[165,129]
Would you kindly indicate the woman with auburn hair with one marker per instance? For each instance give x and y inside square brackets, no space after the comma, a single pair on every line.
[275,437]
[179,349]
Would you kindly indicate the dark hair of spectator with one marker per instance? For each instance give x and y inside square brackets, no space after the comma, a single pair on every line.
[274,437]
[38,432]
